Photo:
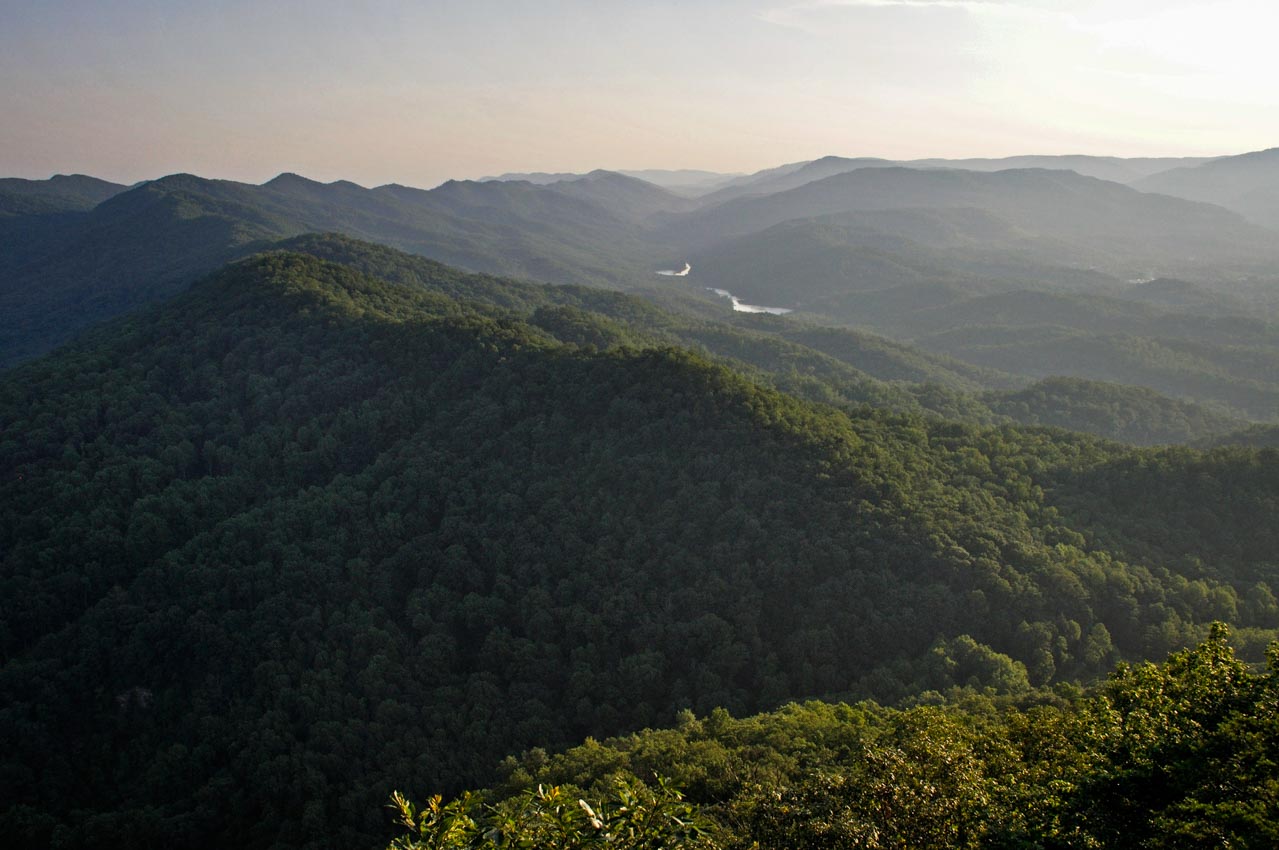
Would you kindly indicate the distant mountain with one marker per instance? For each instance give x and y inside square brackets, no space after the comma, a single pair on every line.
[774,180]
[1032,308]
[836,365]
[1117,169]
[1129,414]
[966,284]
[1234,379]
[1126,231]
[60,193]
[628,197]
[798,264]
[140,246]
[539,178]
[685,181]
[135,248]
[984,280]
[1247,184]
[509,228]
[1255,436]
[1187,296]
[816,264]
[888,360]
[832,365]
[1113,168]
[64,271]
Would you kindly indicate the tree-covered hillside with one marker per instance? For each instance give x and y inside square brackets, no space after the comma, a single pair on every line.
[818,362]
[1179,755]
[816,264]
[302,536]
[1246,183]
[1026,299]
[985,281]
[60,193]
[833,365]
[60,272]
[1129,414]
[1239,380]
[1117,229]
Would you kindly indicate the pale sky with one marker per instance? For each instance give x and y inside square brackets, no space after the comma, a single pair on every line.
[418,92]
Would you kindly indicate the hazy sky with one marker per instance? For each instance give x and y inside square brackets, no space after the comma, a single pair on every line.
[417,92]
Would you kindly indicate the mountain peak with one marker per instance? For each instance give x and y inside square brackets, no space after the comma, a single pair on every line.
[178,181]
[832,159]
[289,178]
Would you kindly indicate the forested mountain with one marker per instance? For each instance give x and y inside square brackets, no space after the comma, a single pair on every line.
[1261,436]
[59,274]
[881,357]
[60,193]
[1185,295]
[1238,380]
[1122,230]
[1129,414]
[62,273]
[1013,302]
[820,363]
[1116,169]
[968,285]
[1204,514]
[540,178]
[301,536]
[834,365]
[822,265]
[1247,183]
[690,182]
[543,232]
[622,195]
[774,180]
[1179,755]
[687,182]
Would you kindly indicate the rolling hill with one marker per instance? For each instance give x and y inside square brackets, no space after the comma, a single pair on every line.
[62,272]
[60,193]
[816,264]
[304,528]
[1247,183]
[772,180]
[1113,228]
[1129,414]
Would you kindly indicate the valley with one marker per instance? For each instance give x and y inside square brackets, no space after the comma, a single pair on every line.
[314,492]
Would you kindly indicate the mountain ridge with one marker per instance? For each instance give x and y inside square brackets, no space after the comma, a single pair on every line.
[352,535]
[1247,184]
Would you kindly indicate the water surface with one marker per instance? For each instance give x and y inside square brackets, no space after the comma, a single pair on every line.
[749,308]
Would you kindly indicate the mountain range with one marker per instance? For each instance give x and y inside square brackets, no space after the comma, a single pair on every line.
[311,492]
[342,519]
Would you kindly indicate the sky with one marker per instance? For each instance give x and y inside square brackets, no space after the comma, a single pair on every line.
[419,92]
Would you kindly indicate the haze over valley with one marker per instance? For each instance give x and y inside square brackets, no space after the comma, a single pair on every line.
[1026,272]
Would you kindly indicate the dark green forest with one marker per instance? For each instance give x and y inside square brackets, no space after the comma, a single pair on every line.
[1126,413]
[548,458]
[323,527]
[1181,755]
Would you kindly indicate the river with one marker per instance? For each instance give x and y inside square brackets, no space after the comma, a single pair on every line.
[748,308]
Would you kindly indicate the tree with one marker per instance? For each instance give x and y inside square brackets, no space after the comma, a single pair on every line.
[633,817]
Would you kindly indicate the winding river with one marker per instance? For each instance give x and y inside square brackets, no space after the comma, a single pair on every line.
[748,308]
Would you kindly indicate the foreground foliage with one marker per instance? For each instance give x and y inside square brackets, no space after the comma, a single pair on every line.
[1180,755]
[633,816]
